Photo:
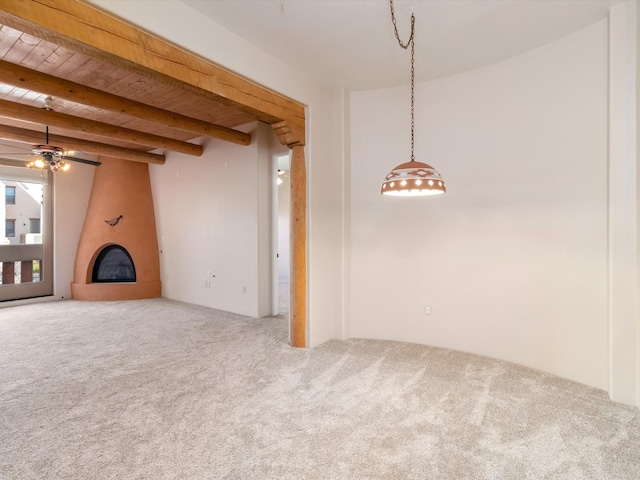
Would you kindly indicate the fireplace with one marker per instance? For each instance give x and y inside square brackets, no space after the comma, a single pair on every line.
[114,264]
[117,256]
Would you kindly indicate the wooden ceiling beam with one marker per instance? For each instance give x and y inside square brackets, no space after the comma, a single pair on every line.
[28,79]
[83,27]
[69,122]
[23,135]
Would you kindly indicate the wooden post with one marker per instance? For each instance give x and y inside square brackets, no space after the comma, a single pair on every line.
[26,271]
[8,273]
[298,232]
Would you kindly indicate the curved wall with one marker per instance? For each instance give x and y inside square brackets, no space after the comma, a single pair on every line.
[513,259]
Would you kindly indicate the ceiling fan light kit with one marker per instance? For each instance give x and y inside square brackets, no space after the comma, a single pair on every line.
[411,179]
[49,156]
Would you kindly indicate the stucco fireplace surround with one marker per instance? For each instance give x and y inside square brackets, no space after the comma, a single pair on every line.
[120,223]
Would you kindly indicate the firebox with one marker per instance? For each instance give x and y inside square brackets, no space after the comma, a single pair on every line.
[113,264]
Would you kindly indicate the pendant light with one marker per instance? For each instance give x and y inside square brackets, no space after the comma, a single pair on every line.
[411,179]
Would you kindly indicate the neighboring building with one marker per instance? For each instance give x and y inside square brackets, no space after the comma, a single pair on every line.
[21,213]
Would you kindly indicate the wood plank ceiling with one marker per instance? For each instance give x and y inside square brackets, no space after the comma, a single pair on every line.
[102,107]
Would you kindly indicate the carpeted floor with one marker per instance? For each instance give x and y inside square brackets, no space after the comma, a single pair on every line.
[155,389]
[283,297]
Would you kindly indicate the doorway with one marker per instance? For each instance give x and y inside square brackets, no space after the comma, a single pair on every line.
[282,208]
[26,232]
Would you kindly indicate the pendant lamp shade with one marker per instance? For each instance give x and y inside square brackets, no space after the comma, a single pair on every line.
[413,179]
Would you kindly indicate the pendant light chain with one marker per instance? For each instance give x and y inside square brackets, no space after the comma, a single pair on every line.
[411,42]
[412,90]
[395,27]
[411,179]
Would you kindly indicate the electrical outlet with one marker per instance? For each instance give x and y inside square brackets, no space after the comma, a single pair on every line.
[427,310]
[244,289]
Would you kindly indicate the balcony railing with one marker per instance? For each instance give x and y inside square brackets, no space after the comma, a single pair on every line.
[29,259]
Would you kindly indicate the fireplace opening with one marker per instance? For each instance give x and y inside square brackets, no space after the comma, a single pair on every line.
[114,264]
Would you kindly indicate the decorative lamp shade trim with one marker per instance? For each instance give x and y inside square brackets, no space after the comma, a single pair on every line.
[413,179]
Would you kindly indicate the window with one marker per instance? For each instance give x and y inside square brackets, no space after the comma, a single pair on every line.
[10,228]
[31,262]
[34,225]
[10,195]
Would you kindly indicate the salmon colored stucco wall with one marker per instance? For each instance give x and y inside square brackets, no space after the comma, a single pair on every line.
[120,187]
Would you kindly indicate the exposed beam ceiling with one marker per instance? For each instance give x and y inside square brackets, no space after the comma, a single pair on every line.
[26,78]
[68,143]
[19,111]
[119,91]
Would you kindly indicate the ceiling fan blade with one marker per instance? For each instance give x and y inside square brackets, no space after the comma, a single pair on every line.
[18,158]
[81,160]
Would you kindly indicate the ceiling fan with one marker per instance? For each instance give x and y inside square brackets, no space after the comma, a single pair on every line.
[51,156]
[55,158]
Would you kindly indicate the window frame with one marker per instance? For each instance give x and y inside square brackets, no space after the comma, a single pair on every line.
[31,220]
[12,222]
[13,171]
[7,189]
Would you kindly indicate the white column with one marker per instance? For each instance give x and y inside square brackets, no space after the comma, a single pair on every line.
[637,205]
[623,245]
[3,214]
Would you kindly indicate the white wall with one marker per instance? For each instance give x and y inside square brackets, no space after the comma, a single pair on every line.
[207,220]
[71,195]
[342,162]
[513,259]
[637,208]
[180,24]
[622,204]
[284,231]
[265,247]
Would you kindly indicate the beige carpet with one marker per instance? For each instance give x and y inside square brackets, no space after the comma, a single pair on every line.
[155,389]
[283,297]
